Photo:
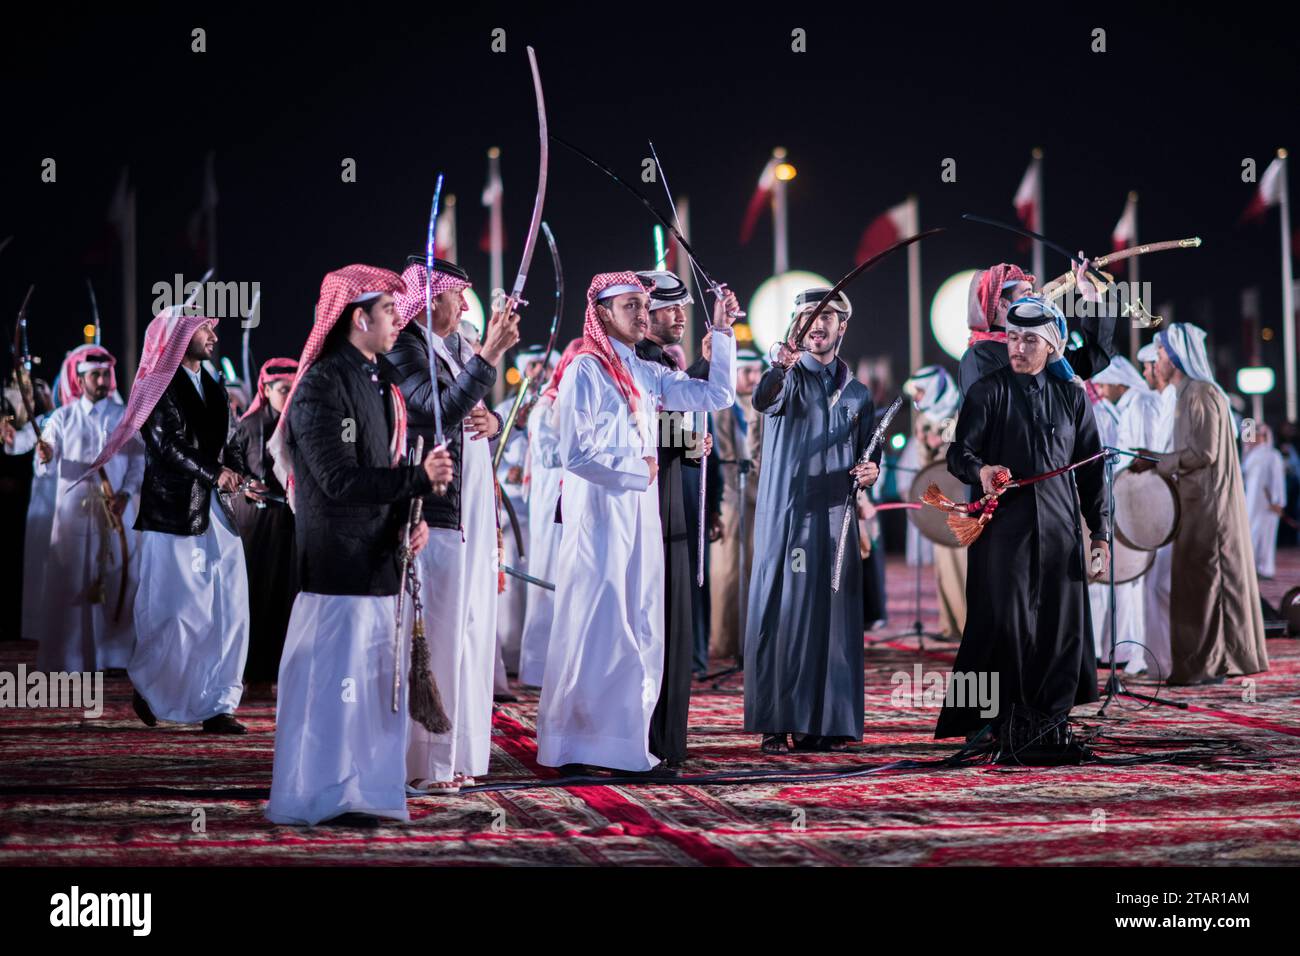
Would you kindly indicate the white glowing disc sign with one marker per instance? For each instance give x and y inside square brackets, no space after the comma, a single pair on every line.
[1255,380]
[474,315]
[773,303]
[948,313]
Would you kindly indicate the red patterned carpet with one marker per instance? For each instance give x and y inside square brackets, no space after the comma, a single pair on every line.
[110,791]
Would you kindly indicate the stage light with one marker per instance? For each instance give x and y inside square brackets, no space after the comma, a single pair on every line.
[513,376]
[228,370]
[785,172]
[1266,334]
[948,313]
[89,332]
[897,441]
[773,302]
[1258,380]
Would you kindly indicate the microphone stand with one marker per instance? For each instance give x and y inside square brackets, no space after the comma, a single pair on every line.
[1114,685]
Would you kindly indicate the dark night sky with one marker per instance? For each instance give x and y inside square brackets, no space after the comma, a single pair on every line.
[882,96]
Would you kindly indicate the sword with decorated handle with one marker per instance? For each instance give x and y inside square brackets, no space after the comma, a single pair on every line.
[877,437]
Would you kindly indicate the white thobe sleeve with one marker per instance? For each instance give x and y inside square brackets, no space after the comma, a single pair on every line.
[544,440]
[678,392]
[24,441]
[583,449]
[134,477]
[1275,480]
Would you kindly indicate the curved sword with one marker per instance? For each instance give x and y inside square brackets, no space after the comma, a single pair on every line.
[849,277]
[94,308]
[522,397]
[1062,283]
[877,437]
[1030,234]
[438,439]
[534,224]
[677,233]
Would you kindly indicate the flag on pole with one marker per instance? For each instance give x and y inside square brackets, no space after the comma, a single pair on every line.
[444,237]
[1268,194]
[202,231]
[886,229]
[1027,200]
[493,193]
[761,198]
[1029,207]
[1125,233]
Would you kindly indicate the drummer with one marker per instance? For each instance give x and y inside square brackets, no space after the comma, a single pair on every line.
[937,398]
[1127,417]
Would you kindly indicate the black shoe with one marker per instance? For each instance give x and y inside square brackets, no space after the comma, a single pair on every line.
[573,770]
[357,821]
[506,698]
[223,724]
[674,764]
[141,707]
[658,771]
[774,744]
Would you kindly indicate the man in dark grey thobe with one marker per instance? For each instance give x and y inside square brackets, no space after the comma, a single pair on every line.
[803,641]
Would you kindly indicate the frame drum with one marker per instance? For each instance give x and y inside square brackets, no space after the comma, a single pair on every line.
[931,522]
[1147,510]
[1130,563]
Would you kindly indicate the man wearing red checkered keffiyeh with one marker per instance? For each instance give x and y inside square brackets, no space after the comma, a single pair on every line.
[992,291]
[604,667]
[344,433]
[191,607]
[460,562]
[85,620]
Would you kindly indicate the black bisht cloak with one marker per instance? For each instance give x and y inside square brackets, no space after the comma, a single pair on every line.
[1028,618]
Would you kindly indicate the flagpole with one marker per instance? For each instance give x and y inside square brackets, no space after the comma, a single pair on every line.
[686,275]
[210,200]
[1042,220]
[1288,294]
[914,286]
[129,336]
[496,271]
[1134,338]
[781,243]
[449,217]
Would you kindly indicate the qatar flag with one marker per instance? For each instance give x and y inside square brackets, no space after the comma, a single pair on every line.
[1028,197]
[1125,233]
[886,229]
[1268,194]
[762,197]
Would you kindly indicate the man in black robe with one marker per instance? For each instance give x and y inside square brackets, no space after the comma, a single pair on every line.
[1026,656]
[991,293]
[678,446]
[266,528]
[803,640]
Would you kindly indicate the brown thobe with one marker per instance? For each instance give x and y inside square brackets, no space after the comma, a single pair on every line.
[1216,622]
[730,445]
[949,568]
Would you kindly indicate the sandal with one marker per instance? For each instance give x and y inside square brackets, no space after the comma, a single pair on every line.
[433,788]
[774,744]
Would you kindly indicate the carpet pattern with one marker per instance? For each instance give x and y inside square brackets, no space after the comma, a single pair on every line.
[75,791]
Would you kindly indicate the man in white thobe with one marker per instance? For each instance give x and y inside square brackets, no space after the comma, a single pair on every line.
[458,570]
[1157,583]
[605,658]
[86,618]
[1264,472]
[1135,410]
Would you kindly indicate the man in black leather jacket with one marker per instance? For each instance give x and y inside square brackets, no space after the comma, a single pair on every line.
[460,564]
[191,609]
[341,710]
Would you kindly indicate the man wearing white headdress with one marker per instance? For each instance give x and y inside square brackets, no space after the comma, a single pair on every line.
[512,603]
[1264,472]
[937,399]
[1216,622]
[1156,582]
[1135,412]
